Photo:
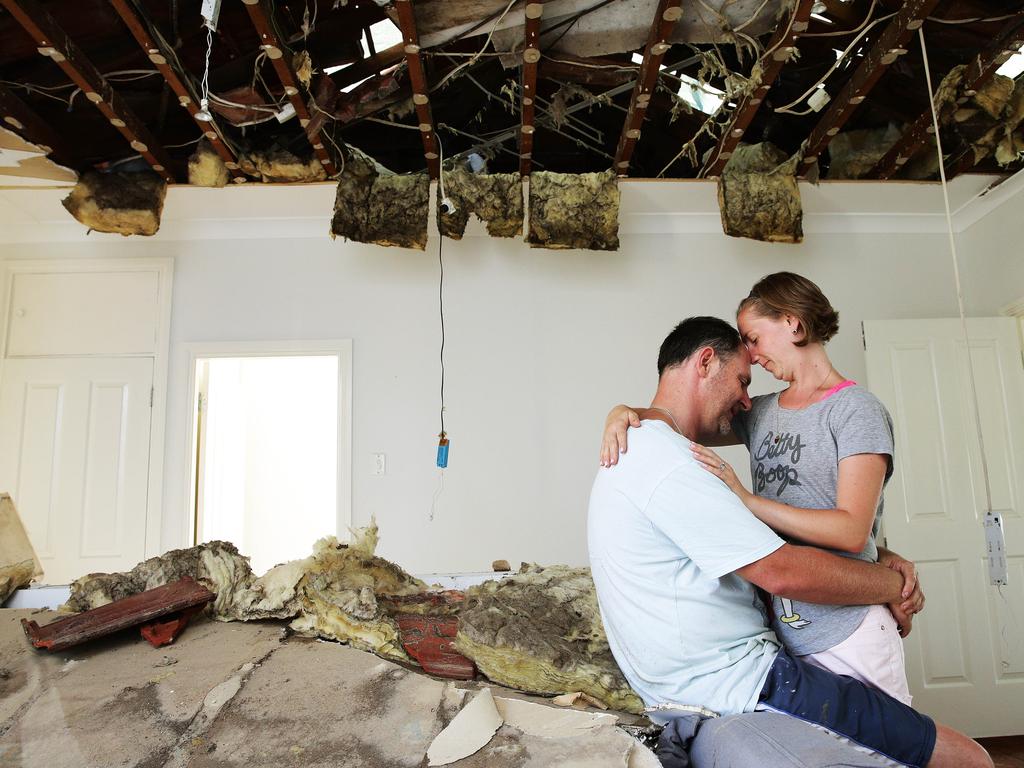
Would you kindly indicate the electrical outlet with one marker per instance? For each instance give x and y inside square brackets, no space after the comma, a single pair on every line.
[380,464]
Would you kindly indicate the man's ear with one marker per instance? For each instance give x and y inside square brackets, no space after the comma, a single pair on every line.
[704,360]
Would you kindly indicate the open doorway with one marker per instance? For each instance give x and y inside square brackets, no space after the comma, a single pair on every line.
[270,449]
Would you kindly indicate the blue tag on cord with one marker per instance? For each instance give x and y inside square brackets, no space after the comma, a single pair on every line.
[442,452]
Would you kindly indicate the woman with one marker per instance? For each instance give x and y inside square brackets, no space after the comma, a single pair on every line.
[821,452]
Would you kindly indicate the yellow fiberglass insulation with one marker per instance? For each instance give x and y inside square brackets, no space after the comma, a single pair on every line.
[124,203]
[495,198]
[759,197]
[574,210]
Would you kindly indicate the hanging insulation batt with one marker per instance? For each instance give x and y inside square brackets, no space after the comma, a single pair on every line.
[574,210]
[375,205]
[122,203]
[495,198]
[206,168]
[759,197]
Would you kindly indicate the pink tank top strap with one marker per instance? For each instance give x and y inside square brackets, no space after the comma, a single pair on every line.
[839,386]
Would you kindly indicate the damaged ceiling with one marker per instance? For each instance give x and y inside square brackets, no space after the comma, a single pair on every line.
[646,88]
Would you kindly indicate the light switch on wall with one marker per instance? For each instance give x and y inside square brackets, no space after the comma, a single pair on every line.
[379,464]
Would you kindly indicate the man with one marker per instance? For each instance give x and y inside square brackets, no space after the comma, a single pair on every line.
[676,557]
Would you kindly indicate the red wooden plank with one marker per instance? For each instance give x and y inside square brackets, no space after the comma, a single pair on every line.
[429,640]
[120,614]
[160,633]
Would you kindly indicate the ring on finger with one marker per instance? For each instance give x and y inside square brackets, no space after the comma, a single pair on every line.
[721,467]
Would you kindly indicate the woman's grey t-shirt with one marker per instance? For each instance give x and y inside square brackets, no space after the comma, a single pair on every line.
[794,459]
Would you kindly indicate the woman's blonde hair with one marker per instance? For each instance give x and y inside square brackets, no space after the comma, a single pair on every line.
[786,293]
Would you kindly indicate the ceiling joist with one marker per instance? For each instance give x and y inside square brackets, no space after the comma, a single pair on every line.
[53,42]
[891,44]
[420,91]
[30,126]
[669,12]
[979,72]
[779,51]
[162,57]
[531,55]
[260,13]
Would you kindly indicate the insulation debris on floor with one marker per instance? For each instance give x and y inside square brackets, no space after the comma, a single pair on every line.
[208,699]
[18,561]
[759,197]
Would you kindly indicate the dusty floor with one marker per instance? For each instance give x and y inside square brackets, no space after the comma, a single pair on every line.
[236,695]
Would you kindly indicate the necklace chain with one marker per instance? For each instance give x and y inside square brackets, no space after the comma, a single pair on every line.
[668,413]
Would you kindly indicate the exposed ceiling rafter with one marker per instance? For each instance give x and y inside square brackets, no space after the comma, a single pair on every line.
[779,51]
[53,42]
[979,72]
[669,12]
[21,118]
[420,91]
[261,13]
[531,55]
[161,57]
[889,46]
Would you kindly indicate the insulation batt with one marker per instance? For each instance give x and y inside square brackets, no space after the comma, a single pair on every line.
[121,203]
[495,198]
[206,168]
[280,165]
[758,195]
[574,210]
[541,631]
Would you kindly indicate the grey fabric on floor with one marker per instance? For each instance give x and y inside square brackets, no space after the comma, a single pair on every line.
[759,739]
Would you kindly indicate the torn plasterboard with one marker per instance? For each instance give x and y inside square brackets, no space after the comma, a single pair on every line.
[758,195]
[495,198]
[374,205]
[18,561]
[604,27]
[121,203]
[540,631]
[468,732]
[574,210]
[23,164]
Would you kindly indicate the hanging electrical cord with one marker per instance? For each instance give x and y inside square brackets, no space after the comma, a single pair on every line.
[204,101]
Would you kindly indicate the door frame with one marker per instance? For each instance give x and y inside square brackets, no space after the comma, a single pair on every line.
[341,348]
[164,267]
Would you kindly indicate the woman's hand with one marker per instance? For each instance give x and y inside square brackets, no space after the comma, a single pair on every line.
[912,598]
[721,469]
[613,442]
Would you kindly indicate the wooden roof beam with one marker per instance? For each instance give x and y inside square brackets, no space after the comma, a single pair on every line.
[777,54]
[669,12]
[260,13]
[531,55]
[891,44]
[979,71]
[53,42]
[19,117]
[420,91]
[161,57]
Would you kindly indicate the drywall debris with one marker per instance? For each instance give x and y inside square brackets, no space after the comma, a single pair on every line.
[495,198]
[18,561]
[854,153]
[540,631]
[574,211]
[578,699]
[758,195]
[374,205]
[281,166]
[122,203]
[548,722]
[206,168]
[468,732]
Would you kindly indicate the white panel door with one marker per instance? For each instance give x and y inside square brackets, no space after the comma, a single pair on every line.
[74,455]
[965,656]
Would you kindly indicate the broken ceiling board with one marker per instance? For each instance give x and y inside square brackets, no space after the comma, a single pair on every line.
[468,731]
[759,196]
[141,608]
[574,210]
[608,28]
[495,198]
[541,631]
[18,561]
[853,154]
[206,167]
[281,166]
[23,164]
[121,203]
[374,205]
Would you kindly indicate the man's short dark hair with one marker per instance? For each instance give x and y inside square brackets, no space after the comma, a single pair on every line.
[695,333]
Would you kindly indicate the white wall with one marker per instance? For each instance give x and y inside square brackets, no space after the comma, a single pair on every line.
[539,345]
[992,257]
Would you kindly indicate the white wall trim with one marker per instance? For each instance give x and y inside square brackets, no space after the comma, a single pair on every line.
[164,267]
[342,348]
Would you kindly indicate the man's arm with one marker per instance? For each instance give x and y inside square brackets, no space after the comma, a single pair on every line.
[816,576]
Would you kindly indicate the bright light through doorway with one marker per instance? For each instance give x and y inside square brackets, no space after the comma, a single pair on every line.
[267,454]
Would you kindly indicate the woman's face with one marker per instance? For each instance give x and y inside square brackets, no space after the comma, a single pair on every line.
[769,342]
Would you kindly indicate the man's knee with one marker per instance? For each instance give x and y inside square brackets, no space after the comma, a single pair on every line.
[955,750]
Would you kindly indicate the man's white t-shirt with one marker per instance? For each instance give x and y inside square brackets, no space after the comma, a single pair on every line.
[665,537]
